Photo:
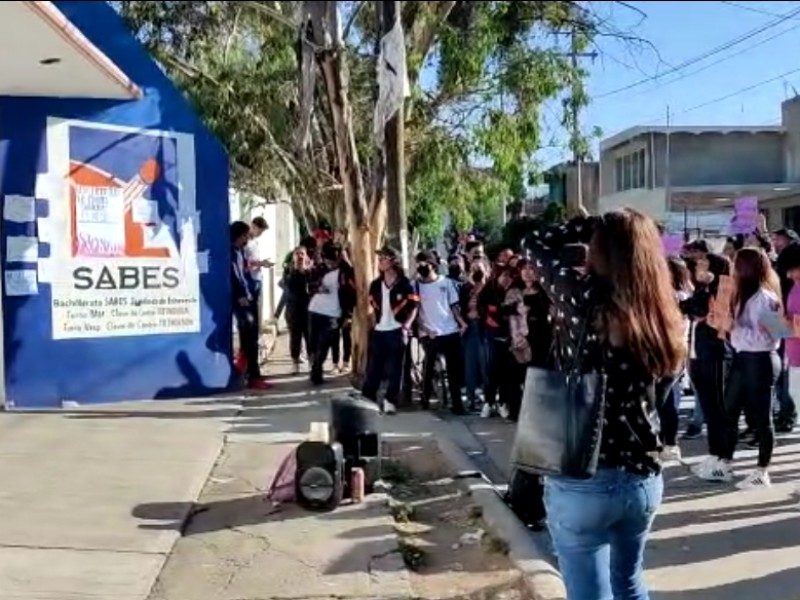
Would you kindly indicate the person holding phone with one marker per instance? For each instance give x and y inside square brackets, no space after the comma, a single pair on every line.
[255,264]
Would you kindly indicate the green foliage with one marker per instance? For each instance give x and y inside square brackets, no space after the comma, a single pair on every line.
[238,68]
[488,69]
[496,66]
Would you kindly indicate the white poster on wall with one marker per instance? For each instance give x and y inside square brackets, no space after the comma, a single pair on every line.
[118,262]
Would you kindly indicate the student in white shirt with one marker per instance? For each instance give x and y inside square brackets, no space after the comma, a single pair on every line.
[394,307]
[756,365]
[440,329]
[255,263]
[324,309]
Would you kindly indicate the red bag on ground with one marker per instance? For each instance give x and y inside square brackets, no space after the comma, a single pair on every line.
[281,490]
[240,363]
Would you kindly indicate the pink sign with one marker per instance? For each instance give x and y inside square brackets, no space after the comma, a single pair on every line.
[673,244]
[745,215]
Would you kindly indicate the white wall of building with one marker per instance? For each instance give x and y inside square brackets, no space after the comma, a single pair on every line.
[650,202]
[282,237]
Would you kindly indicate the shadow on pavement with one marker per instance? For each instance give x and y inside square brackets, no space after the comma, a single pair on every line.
[706,533]
[776,586]
[229,513]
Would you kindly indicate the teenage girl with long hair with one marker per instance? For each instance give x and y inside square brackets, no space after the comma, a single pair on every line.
[756,365]
[636,336]
[681,279]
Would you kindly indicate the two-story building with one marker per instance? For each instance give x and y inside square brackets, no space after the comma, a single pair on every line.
[688,177]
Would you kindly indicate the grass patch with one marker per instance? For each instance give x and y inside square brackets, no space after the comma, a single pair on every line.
[396,472]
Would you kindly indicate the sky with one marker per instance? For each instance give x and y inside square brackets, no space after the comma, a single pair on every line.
[743,84]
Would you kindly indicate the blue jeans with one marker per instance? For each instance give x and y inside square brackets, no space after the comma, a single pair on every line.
[698,418]
[474,360]
[599,528]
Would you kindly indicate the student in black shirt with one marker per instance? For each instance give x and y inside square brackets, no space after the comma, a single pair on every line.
[245,306]
[296,289]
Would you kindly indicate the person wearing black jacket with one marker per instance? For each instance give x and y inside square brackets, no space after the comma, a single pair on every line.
[394,303]
[342,349]
[245,308]
[473,341]
[296,281]
[713,355]
[495,319]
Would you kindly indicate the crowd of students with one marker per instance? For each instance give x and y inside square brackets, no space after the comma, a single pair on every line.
[728,317]
[598,288]
[488,321]
[743,356]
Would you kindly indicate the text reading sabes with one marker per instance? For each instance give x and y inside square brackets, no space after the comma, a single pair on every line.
[126,278]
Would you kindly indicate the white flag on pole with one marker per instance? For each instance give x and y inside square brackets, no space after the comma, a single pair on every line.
[393,83]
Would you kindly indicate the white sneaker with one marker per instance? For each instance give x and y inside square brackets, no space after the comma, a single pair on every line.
[708,463]
[670,454]
[755,480]
[486,411]
[389,408]
[503,411]
[714,469]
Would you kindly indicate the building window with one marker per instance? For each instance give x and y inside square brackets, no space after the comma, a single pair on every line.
[630,171]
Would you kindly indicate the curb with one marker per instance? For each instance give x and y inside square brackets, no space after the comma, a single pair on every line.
[542,580]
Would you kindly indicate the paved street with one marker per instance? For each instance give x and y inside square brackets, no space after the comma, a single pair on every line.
[711,542]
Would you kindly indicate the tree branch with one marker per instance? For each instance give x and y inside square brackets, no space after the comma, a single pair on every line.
[231,36]
[352,20]
[422,32]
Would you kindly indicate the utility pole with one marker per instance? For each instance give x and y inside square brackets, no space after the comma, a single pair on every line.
[394,153]
[668,179]
[575,134]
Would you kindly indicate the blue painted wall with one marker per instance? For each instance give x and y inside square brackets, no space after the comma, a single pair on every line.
[41,372]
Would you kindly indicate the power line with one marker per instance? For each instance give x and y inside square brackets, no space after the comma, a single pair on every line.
[743,90]
[659,118]
[724,58]
[752,9]
[726,46]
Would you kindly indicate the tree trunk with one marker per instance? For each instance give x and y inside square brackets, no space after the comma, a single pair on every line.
[325,33]
[366,217]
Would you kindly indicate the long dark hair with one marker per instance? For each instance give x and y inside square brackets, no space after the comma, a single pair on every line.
[752,271]
[640,312]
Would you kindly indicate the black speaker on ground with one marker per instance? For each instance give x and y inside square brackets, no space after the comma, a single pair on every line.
[355,424]
[319,478]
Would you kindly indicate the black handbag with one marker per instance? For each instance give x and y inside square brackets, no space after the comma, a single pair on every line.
[525,498]
[561,418]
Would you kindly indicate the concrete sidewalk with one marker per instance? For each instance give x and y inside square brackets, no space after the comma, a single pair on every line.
[69,485]
[237,545]
[710,542]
